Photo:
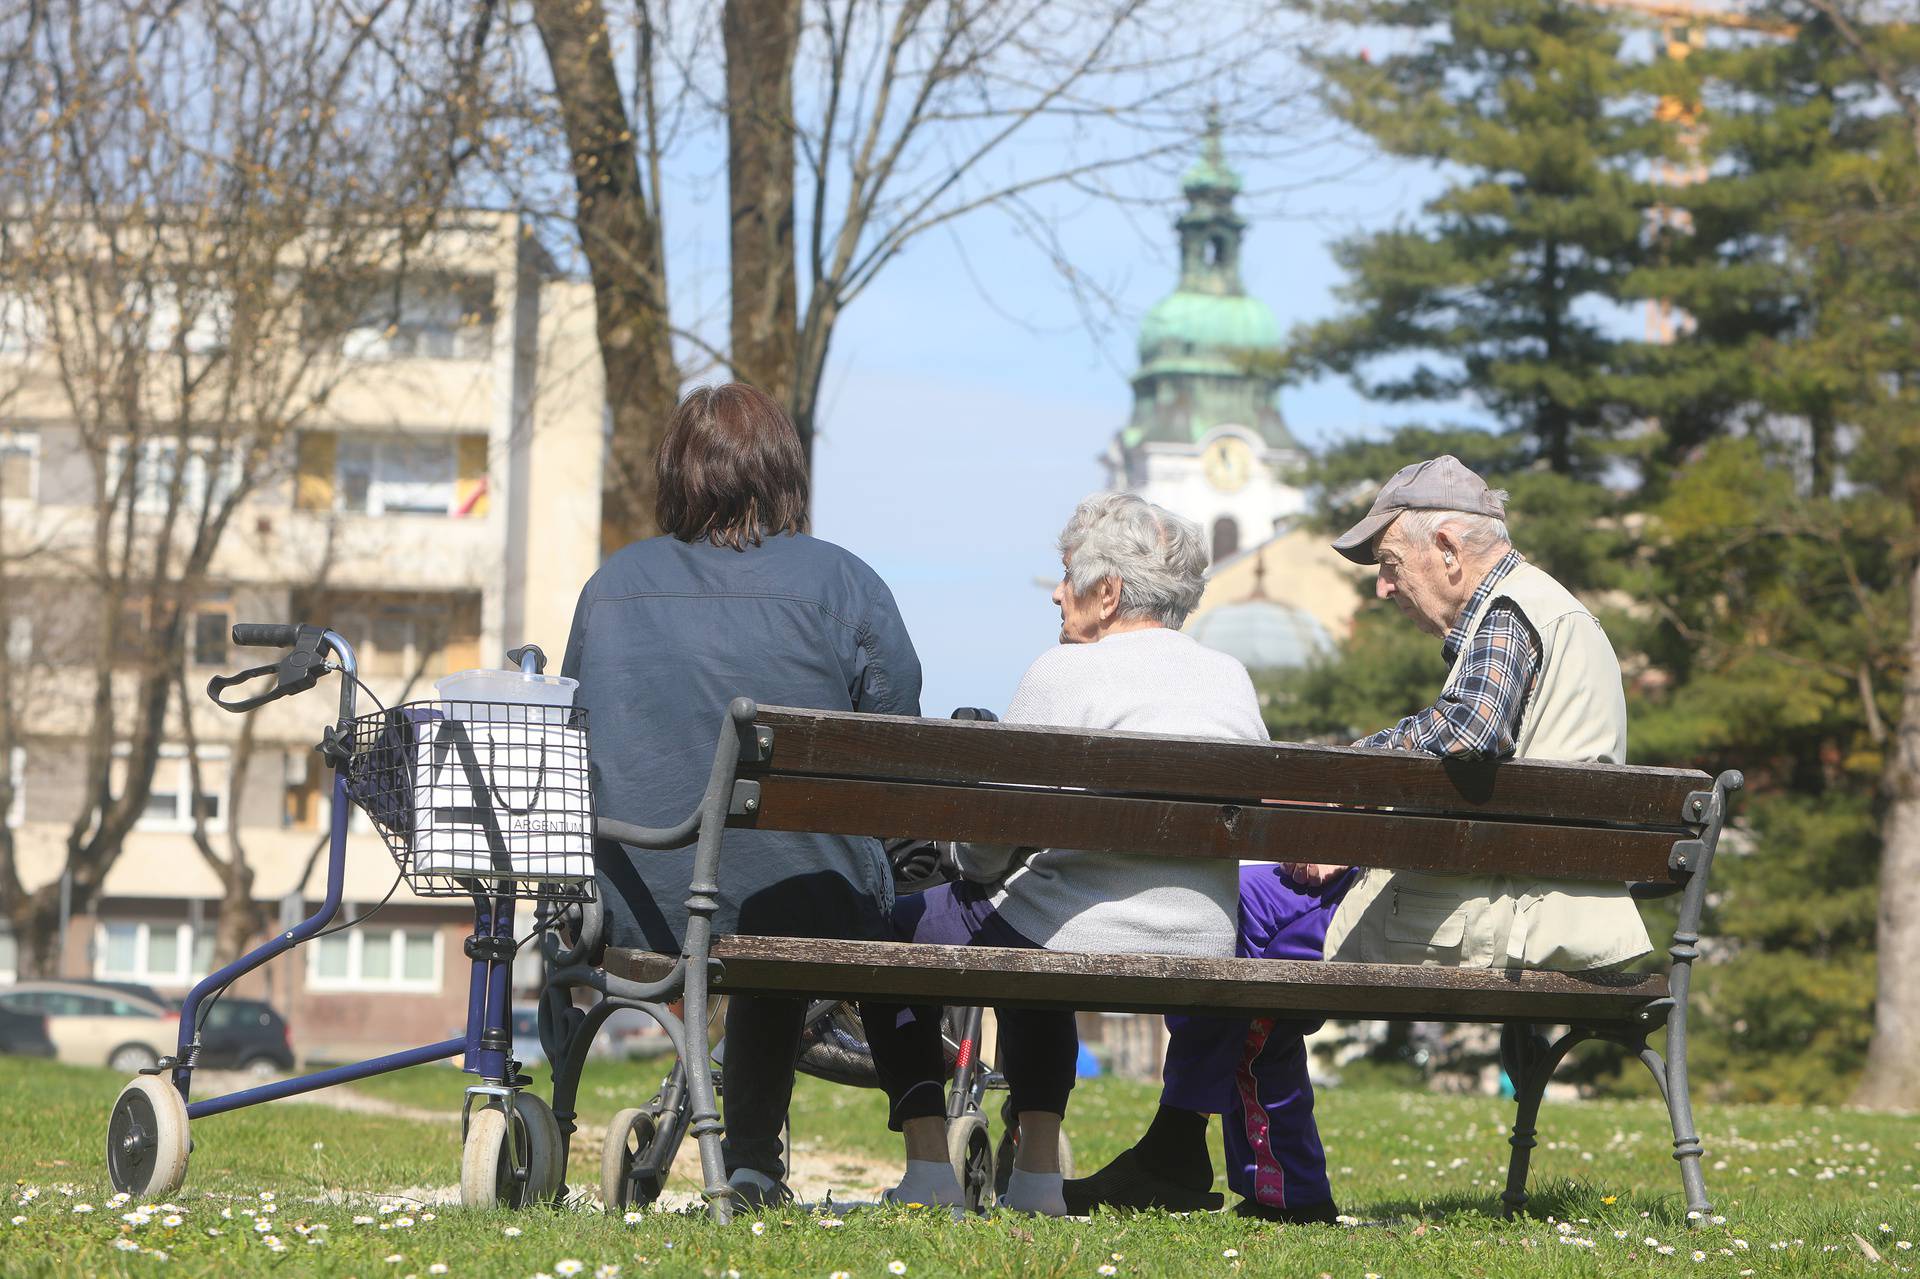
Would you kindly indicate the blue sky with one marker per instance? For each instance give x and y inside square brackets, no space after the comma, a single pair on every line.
[954,440]
[967,399]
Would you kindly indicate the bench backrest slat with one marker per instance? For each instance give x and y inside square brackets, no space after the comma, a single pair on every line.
[1184,828]
[887,747]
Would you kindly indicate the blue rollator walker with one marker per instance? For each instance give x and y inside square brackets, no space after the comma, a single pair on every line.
[481,799]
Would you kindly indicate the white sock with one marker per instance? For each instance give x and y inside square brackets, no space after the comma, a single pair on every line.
[930,1182]
[1035,1192]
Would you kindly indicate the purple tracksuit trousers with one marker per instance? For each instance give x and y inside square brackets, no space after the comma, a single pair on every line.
[1255,1075]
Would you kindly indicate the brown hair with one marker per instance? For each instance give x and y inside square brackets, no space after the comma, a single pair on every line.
[731,469]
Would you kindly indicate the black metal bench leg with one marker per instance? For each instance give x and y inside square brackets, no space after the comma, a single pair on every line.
[703,903]
[1675,1088]
[577,1033]
[1529,1060]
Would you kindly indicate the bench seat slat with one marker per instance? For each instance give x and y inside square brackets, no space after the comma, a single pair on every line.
[1173,828]
[883,747]
[1157,983]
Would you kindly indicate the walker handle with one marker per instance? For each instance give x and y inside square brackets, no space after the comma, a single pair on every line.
[265,634]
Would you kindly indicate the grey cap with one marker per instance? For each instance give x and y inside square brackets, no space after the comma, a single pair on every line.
[1438,484]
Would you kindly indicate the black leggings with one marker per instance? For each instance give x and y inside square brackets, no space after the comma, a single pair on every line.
[1039,1048]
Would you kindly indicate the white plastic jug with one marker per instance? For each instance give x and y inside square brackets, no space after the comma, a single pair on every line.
[495,694]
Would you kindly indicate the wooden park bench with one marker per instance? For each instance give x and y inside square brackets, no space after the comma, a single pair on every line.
[802,770]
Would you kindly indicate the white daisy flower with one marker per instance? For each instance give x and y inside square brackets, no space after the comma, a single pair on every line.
[126,1245]
[896,1267]
[437,1268]
[511,1232]
[81,1210]
[831,1223]
[171,1220]
[568,1267]
[267,1196]
[363,1221]
[403,1222]
[606,1270]
[634,1218]
[121,1198]
[19,1221]
[1230,1253]
[394,1258]
[1699,1255]
[759,1227]
[1107,1268]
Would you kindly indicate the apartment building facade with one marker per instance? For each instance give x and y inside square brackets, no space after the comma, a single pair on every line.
[440,506]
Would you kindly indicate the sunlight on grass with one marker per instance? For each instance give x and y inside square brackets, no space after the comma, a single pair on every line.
[1801,1191]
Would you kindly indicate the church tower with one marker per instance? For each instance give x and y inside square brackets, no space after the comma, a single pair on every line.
[1206,439]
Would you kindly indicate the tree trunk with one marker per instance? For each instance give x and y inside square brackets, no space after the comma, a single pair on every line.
[1820,442]
[34,919]
[620,235]
[761,38]
[1892,1078]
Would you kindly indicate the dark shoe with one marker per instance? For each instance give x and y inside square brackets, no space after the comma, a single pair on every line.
[1128,1183]
[1320,1214]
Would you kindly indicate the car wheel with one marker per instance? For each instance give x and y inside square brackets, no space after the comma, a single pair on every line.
[261,1067]
[131,1059]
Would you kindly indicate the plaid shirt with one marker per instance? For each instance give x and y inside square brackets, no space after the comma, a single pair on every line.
[1478,713]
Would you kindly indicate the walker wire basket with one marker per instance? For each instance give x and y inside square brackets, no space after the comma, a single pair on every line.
[479,798]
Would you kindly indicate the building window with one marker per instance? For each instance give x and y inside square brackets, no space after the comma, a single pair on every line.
[1226,538]
[428,317]
[376,959]
[212,625]
[210,473]
[23,324]
[396,474]
[161,952]
[19,466]
[199,316]
[168,800]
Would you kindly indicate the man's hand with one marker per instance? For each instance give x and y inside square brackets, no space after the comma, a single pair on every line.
[1309,874]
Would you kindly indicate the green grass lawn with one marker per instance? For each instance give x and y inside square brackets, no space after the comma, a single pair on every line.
[1796,1187]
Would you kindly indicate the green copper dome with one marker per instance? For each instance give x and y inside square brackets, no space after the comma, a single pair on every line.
[1195,375]
[1187,328]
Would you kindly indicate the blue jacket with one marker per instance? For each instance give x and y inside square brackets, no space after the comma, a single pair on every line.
[664,636]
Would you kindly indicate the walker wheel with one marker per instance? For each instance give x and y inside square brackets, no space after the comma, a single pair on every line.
[147,1139]
[970,1150]
[630,1139]
[511,1165]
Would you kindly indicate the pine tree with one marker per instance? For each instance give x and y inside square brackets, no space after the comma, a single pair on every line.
[1504,290]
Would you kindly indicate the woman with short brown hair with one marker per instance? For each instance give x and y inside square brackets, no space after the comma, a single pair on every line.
[734,599]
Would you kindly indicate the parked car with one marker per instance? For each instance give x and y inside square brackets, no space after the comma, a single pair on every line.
[526,1038]
[24,1034]
[98,1025]
[247,1034]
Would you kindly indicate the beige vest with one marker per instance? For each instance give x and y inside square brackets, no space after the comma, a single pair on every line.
[1577,712]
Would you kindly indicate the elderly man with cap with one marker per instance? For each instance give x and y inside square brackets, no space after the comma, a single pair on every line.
[1532,675]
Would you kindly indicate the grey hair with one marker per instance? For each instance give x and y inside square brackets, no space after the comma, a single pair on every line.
[1479,534]
[1158,556]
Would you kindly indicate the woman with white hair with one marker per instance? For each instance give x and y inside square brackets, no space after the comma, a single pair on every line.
[1132,573]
